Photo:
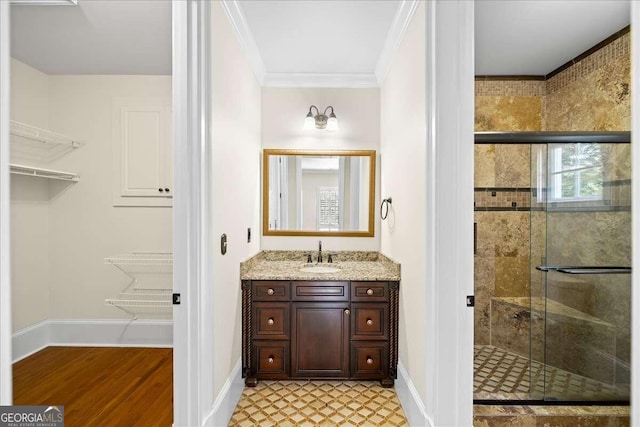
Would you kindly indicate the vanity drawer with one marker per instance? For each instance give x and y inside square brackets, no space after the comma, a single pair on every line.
[369,321]
[270,290]
[369,360]
[369,291]
[320,291]
[271,359]
[271,320]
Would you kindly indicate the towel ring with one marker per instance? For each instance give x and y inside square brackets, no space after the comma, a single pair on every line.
[385,204]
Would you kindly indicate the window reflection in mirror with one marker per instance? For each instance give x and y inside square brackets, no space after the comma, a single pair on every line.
[318,193]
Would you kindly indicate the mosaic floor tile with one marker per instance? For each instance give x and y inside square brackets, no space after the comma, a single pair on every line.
[318,403]
[499,374]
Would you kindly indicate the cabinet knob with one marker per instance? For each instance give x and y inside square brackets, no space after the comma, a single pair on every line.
[369,291]
[270,359]
[369,360]
[369,322]
[160,190]
[347,311]
[270,321]
[166,190]
[270,291]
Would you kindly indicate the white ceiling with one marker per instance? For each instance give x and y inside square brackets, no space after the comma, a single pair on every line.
[95,37]
[534,37]
[331,38]
[324,37]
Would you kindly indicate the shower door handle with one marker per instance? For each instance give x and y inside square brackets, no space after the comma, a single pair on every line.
[585,270]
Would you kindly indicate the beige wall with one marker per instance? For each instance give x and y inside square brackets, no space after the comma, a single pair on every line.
[85,226]
[403,153]
[29,206]
[358,112]
[62,232]
[236,186]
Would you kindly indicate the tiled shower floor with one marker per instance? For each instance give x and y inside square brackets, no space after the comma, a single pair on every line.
[318,403]
[502,375]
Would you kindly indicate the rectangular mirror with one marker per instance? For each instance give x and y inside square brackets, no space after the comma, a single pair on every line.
[318,193]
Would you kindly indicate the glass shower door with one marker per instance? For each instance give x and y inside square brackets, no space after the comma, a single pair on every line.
[583,285]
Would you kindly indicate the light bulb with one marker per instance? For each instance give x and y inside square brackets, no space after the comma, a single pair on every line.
[309,122]
[332,124]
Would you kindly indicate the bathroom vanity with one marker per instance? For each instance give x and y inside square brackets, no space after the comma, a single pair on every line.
[320,321]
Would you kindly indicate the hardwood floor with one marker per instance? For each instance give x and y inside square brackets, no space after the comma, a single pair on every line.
[100,386]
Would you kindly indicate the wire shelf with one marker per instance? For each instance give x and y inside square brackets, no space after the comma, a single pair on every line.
[143,262]
[43,173]
[36,143]
[149,293]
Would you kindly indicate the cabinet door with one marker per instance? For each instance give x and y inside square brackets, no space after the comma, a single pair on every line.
[143,151]
[320,340]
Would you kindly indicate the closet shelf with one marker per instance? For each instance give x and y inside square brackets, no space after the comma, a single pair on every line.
[143,262]
[149,292]
[32,143]
[43,173]
[43,135]
[143,302]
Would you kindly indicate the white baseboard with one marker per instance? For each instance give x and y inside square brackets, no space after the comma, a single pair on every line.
[91,333]
[224,405]
[29,340]
[410,399]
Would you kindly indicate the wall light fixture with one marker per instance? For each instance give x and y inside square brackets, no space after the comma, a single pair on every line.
[321,121]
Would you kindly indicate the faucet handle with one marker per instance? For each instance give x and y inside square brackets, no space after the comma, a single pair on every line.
[309,260]
[330,258]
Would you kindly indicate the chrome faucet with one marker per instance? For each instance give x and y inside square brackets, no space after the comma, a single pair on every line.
[319,251]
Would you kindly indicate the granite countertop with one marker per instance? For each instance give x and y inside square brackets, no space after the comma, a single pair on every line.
[286,265]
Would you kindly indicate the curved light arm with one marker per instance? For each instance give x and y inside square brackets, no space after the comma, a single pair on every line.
[327,109]
[317,111]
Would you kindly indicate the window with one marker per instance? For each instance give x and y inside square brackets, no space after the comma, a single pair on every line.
[575,172]
[328,209]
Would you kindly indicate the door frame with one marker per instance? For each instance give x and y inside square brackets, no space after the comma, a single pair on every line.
[6,377]
[193,334]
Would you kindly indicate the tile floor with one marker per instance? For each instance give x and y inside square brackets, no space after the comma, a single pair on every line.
[318,403]
[499,374]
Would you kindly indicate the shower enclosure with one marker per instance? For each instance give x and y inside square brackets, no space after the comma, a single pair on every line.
[552,278]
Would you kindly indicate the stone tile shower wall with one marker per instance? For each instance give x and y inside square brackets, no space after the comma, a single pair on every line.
[591,95]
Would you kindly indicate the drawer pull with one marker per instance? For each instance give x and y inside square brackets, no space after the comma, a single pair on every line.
[369,322]
[369,360]
[270,291]
[270,359]
[270,321]
[347,311]
[369,291]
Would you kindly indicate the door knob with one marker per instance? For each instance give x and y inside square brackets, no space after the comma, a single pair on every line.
[270,321]
[369,322]
[369,360]
[270,359]
[347,311]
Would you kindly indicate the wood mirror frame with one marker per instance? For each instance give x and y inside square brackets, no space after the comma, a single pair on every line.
[370,154]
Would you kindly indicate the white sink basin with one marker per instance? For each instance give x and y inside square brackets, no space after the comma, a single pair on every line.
[319,269]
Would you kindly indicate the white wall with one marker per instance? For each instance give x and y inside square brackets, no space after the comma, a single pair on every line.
[236,186]
[85,227]
[358,112]
[403,151]
[62,232]
[29,206]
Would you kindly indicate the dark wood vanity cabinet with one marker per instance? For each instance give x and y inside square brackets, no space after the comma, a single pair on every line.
[319,330]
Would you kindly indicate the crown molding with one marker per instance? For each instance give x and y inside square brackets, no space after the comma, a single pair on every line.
[399,26]
[320,80]
[243,32]
[44,2]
